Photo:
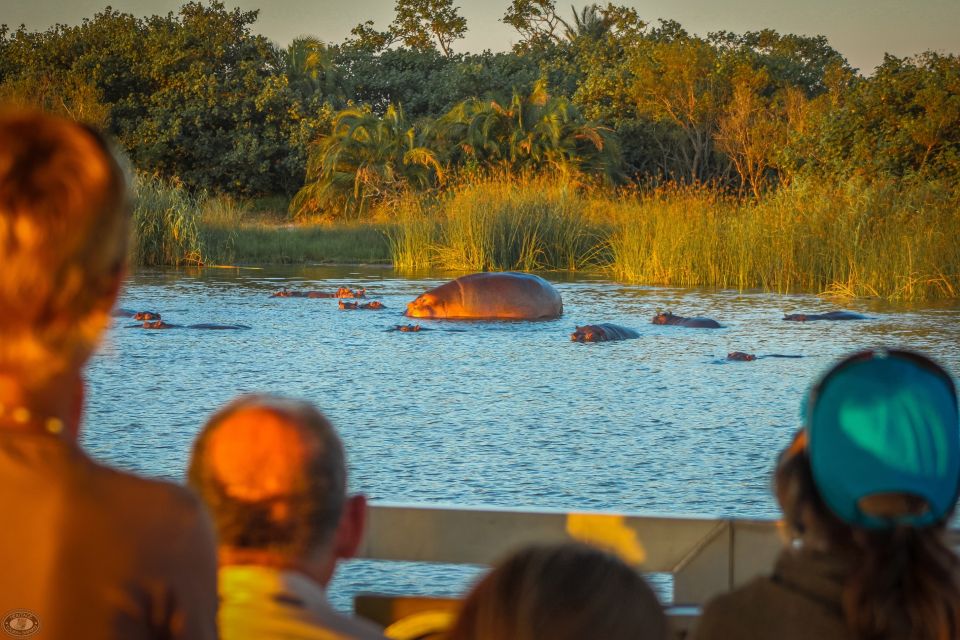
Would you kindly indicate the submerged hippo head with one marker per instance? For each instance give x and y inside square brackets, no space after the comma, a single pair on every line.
[740,356]
[664,317]
[146,315]
[347,305]
[408,328]
[375,305]
[586,334]
[156,324]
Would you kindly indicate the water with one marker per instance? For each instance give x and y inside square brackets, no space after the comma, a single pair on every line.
[493,413]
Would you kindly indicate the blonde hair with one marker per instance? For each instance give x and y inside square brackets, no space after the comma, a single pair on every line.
[63,239]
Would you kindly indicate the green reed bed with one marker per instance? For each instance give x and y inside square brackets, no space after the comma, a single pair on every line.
[877,240]
[165,224]
[499,224]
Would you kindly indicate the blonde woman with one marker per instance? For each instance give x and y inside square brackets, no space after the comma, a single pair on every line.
[86,551]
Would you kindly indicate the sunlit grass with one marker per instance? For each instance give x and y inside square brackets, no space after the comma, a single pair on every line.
[890,240]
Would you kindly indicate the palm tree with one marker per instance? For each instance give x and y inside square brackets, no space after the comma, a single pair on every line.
[531,132]
[311,68]
[365,159]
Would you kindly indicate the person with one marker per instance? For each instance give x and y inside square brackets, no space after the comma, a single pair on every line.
[86,551]
[866,488]
[272,472]
[563,591]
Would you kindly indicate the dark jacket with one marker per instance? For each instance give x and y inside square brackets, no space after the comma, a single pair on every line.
[801,600]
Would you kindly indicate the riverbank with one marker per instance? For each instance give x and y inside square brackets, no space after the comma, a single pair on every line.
[886,240]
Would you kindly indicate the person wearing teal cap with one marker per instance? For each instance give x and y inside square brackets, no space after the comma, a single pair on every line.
[866,487]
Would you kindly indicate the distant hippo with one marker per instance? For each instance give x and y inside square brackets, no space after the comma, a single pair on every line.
[490,296]
[602,333]
[740,356]
[697,323]
[136,315]
[832,315]
[408,328]
[160,324]
[376,305]
[342,292]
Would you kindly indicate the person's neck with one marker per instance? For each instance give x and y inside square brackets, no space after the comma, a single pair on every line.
[318,566]
[53,407]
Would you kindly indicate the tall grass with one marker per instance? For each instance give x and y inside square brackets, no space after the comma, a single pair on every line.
[898,241]
[853,239]
[165,224]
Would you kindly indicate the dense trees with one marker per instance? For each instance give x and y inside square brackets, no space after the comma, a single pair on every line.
[198,96]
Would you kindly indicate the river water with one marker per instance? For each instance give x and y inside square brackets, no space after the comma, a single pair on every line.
[489,413]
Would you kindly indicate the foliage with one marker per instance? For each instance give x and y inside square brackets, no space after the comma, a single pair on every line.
[165,224]
[365,159]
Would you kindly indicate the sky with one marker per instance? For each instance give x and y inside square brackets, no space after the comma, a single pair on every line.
[861,30]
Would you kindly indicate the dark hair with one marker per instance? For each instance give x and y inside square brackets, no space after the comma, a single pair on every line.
[295,520]
[905,580]
[561,592]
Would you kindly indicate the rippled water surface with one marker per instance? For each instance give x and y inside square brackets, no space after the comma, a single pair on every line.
[492,413]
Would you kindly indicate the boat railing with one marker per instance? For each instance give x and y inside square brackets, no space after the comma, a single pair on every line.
[705,556]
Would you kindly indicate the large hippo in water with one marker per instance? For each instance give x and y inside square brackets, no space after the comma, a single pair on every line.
[489,296]
[680,321]
[832,315]
[604,332]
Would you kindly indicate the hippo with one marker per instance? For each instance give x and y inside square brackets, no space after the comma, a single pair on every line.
[376,305]
[342,292]
[602,333]
[135,315]
[344,306]
[490,296]
[408,328]
[160,324]
[832,315]
[697,323]
[740,356]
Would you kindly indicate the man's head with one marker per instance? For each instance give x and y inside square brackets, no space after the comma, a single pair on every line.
[272,473]
[63,240]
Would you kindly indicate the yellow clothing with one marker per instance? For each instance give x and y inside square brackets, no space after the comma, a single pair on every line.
[261,602]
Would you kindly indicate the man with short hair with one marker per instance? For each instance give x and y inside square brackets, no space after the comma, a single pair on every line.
[273,474]
[86,551]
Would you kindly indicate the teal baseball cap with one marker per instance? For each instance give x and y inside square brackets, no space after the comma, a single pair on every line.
[885,422]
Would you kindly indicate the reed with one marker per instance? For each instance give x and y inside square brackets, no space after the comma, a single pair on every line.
[165,225]
[888,240]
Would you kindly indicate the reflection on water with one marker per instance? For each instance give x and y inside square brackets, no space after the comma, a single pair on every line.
[502,413]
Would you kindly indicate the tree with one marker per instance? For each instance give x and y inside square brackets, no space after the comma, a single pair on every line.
[364,159]
[422,24]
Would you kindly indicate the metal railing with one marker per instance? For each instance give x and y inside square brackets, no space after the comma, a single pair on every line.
[705,556]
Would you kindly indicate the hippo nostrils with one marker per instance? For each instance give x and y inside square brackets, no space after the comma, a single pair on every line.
[490,296]
[407,328]
[135,315]
[602,333]
[698,323]
[832,315]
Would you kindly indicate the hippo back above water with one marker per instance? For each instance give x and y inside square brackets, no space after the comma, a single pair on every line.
[832,315]
[490,296]
[603,332]
[680,321]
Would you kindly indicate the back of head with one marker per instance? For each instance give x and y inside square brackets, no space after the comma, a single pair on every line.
[272,473]
[63,238]
[561,592]
[874,475]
